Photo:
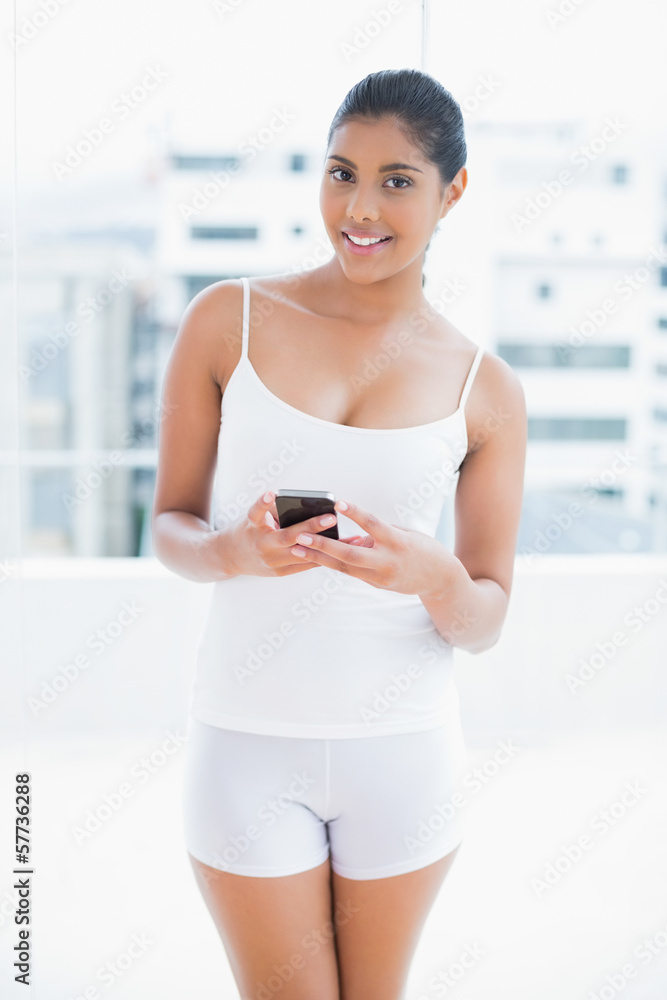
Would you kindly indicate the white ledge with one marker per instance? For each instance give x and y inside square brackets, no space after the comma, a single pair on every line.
[111,568]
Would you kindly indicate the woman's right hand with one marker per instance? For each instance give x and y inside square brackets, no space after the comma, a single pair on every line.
[260,547]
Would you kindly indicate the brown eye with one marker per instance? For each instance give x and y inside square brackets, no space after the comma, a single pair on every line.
[399,177]
[337,170]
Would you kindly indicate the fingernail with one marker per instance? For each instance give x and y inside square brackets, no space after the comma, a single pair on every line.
[340,505]
[268,497]
[304,539]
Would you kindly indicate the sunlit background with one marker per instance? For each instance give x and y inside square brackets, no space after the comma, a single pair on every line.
[150,149]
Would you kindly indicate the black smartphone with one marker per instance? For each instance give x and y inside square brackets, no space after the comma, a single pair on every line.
[298,505]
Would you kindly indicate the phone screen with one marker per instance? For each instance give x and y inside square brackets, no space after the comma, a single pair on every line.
[294,507]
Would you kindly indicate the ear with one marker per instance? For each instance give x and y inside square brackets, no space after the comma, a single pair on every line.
[454,191]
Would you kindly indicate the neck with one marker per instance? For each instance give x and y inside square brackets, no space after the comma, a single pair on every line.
[379,302]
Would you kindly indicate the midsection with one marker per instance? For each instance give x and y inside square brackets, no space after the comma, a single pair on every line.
[359,376]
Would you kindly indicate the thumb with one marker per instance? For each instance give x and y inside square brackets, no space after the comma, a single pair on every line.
[260,512]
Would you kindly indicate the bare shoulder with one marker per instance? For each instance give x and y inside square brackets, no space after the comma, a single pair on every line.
[213,319]
[495,383]
[212,326]
[224,299]
[219,300]
[496,400]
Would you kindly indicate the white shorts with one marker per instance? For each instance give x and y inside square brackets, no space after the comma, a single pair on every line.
[274,805]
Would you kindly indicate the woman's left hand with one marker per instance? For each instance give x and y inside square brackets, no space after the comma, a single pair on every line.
[390,557]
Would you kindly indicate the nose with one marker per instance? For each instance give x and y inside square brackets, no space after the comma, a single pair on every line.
[362,205]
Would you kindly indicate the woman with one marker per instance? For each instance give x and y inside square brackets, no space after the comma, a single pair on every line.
[325,747]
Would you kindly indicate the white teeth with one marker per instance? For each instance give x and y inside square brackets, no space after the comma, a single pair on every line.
[366,241]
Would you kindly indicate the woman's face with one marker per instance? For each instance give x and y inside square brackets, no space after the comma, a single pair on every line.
[364,193]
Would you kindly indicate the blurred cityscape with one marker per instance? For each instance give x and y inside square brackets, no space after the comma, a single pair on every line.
[578,307]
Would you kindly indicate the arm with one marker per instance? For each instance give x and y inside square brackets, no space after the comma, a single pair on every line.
[470,606]
[205,344]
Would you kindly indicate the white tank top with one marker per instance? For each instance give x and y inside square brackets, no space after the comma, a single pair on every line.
[321,653]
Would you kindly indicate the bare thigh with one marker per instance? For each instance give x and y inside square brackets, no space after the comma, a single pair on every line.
[278,933]
[376,945]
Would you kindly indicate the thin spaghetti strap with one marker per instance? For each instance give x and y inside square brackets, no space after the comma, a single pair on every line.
[246,317]
[471,376]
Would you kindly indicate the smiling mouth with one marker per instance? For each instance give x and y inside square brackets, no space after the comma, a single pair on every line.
[375,241]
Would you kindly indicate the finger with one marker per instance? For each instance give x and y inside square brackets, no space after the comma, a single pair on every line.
[366,540]
[281,545]
[312,525]
[369,522]
[333,552]
[258,510]
[318,557]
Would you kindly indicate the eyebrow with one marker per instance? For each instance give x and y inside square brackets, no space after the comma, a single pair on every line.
[387,166]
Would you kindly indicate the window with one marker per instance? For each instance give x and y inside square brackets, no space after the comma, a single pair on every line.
[661,369]
[662,322]
[565,355]
[619,174]
[204,162]
[544,291]
[46,490]
[297,161]
[660,414]
[663,277]
[224,232]
[577,428]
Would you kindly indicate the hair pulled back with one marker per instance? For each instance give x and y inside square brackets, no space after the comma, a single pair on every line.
[427,113]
